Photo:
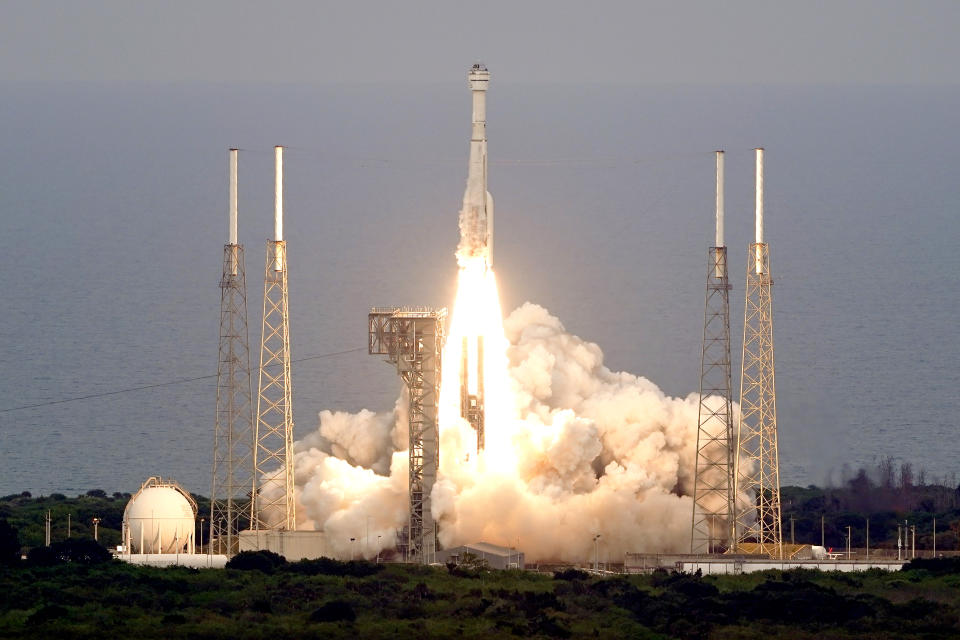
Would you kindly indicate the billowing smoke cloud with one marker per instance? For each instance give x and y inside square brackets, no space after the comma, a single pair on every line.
[597,452]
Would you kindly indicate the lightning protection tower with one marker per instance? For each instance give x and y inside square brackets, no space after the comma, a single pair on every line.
[758,526]
[412,339]
[274,506]
[713,498]
[233,434]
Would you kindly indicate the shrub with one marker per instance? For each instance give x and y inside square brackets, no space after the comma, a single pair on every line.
[46,614]
[265,561]
[334,611]
[9,543]
[331,567]
[570,574]
[72,550]
[935,566]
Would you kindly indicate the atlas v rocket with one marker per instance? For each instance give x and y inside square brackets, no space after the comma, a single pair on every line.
[476,216]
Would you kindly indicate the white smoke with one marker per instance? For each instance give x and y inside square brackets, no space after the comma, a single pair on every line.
[598,452]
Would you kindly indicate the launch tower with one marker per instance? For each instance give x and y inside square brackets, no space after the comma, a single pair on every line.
[757,469]
[233,434]
[274,506]
[412,339]
[713,497]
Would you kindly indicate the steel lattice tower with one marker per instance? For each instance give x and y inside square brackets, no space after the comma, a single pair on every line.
[412,339]
[758,469]
[233,436]
[274,507]
[713,497]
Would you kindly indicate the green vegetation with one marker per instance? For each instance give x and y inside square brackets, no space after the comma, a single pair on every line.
[74,589]
[887,496]
[261,595]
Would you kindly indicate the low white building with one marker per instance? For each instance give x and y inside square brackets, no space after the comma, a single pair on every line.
[497,557]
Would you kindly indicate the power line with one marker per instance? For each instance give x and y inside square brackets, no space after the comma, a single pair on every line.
[163,384]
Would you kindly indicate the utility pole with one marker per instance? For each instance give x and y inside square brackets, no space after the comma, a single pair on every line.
[823,539]
[49,522]
[596,553]
[96,521]
[934,537]
[849,533]
[868,538]
[68,525]
[899,544]
[792,543]
[913,541]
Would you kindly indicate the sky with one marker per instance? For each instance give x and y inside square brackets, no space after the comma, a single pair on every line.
[563,41]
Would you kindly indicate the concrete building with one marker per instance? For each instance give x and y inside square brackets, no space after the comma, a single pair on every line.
[497,557]
[292,545]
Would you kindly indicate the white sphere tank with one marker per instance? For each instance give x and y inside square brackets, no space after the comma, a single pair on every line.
[159,519]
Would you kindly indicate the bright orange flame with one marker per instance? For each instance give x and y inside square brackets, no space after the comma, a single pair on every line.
[476,313]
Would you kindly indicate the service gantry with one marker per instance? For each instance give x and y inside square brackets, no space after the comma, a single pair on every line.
[412,340]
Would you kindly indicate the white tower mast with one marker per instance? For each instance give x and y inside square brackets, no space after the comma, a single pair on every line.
[274,507]
[758,458]
[233,436]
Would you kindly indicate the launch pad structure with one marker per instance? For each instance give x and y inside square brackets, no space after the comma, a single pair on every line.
[713,494]
[412,339]
[233,481]
[757,467]
[274,503]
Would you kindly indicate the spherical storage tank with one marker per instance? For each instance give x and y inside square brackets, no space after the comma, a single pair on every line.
[159,519]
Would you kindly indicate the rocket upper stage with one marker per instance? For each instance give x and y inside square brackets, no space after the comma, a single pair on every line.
[476,216]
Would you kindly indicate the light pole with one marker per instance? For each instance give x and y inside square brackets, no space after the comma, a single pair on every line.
[792,543]
[823,538]
[868,538]
[899,544]
[913,541]
[848,541]
[96,521]
[934,537]
[201,537]
[353,550]
[596,553]
[378,549]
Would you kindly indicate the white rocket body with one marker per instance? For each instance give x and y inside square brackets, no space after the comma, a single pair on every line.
[476,216]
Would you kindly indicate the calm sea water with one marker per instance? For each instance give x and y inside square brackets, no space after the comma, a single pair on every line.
[112,222]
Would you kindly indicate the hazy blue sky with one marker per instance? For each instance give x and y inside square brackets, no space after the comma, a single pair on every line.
[834,42]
